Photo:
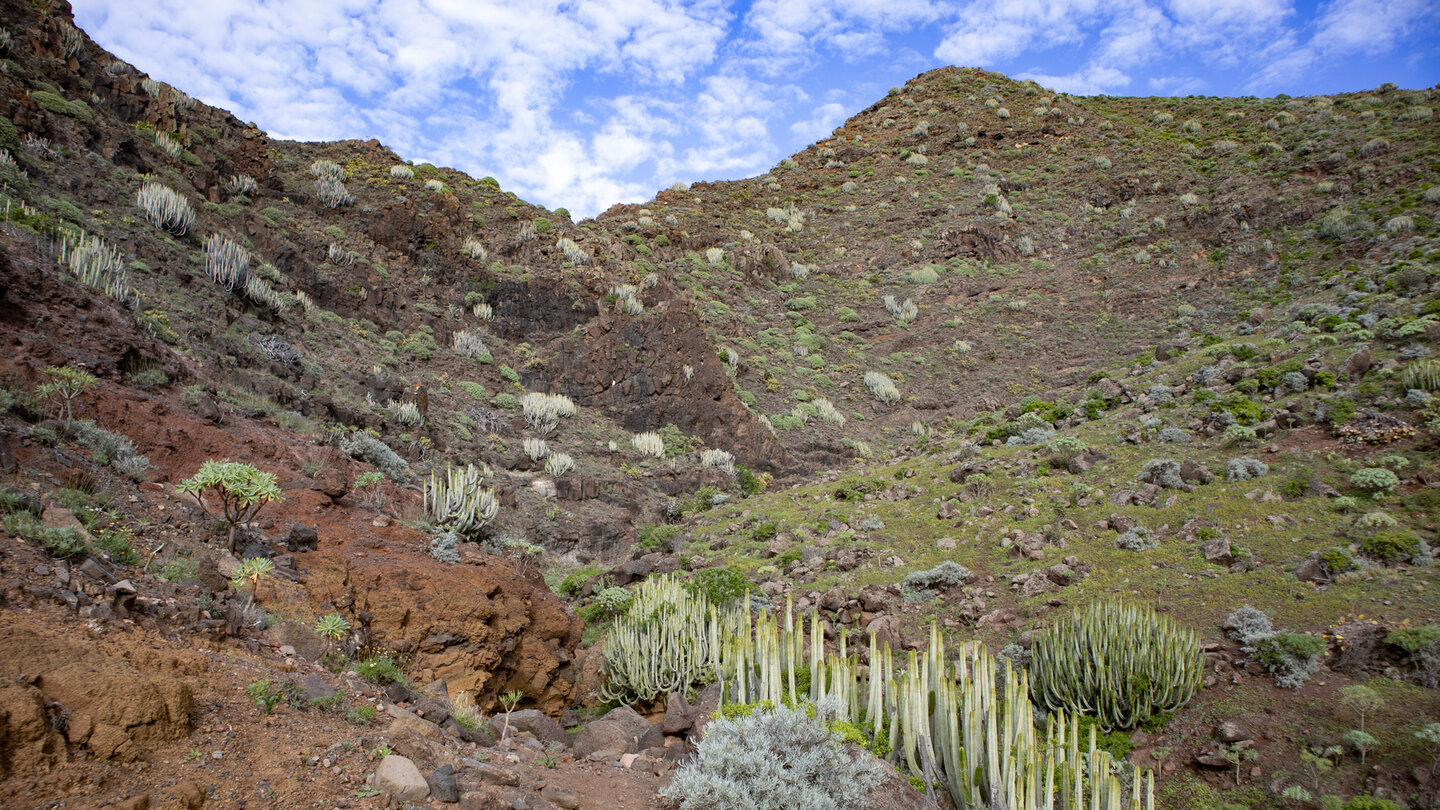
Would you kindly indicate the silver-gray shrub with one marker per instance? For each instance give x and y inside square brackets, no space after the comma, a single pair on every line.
[108,448]
[1248,626]
[1137,538]
[772,760]
[1295,381]
[921,585]
[1160,393]
[444,547]
[367,448]
[1172,435]
[165,208]
[1162,471]
[1245,468]
[1031,436]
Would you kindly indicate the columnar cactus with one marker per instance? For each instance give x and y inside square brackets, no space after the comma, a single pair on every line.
[1116,662]
[457,503]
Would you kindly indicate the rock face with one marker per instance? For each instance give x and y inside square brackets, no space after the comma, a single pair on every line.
[110,707]
[28,742]
[483,629]
[598,369]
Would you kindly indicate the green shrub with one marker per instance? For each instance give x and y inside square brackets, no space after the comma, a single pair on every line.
[575,580]
[380,670]
[60,105]
[1414,639]
[719,586]
[651,538]
[1377,481]
[1393,544]
[180,570]
[1293,657]
[748,482]
[1371,803]
[608,603]
[420,345]
[1244,410]
[63,544]
[764,533]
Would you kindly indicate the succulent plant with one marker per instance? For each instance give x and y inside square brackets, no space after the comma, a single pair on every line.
[1116,662]
[456,502]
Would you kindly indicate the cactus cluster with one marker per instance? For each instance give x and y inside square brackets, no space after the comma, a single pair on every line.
[719,459]
[882,387]
[543,412]
[1116,662]
[165,208]
[663,642]
[967,725]
[649,443]
[457,503]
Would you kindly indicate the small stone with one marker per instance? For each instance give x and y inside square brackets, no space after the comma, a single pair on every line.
[559,796]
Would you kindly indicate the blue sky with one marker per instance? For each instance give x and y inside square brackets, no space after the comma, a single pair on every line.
[588,103]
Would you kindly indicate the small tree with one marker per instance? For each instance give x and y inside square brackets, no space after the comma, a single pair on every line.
[1430,735]
[241,489]
[1237,756]
[67,384]
[1360,741]
[509,700]
[1362,700]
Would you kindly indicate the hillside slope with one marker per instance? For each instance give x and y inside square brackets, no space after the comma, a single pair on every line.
[1174,350]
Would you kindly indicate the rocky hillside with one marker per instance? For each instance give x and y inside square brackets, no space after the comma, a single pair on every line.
[1175,350]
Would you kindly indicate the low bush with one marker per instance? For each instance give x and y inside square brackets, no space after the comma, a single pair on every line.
[773,758]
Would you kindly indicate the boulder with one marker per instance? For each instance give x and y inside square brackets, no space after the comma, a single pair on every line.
[544,727]
[559,796]
[397,776]
[1311,570]
[1357,364]
[1193,472]
[621,730]
[887,631]
[442,784]
[679,715]
[333,481]
[302,538]
[1217,551]
[28,742]
[1232,731]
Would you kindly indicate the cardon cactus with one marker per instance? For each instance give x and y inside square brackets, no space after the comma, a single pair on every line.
[1117,663]
[457,503]
[662,643]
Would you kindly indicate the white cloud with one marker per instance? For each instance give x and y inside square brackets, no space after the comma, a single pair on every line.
[821,123]
[1089,81]
[1367,26]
